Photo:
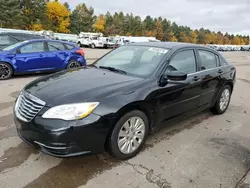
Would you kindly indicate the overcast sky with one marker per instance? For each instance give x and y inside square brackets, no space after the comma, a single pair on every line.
[219,15]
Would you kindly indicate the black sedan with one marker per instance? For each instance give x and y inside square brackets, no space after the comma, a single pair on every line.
[116,102]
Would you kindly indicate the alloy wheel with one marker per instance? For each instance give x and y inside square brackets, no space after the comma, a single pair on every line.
[224,99]
[74,64]
[5,71]
[131,135]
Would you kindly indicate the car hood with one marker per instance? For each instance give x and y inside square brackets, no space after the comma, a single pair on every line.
[81,85]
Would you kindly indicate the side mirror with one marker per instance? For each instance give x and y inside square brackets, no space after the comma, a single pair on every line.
[176,76]
[173,76]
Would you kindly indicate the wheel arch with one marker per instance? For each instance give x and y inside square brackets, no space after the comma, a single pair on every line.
[13,68]
[147,109]
[230,84]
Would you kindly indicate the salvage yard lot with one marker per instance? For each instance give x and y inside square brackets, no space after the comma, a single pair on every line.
[202,151]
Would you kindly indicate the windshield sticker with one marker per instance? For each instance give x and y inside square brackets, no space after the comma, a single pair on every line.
[158,50]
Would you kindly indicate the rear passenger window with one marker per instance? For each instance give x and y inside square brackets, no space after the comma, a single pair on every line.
[184,62]
[55,46]
[70,47]
[208,60]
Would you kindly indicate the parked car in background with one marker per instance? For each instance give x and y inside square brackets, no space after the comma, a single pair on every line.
[129,92]
[66,37]
[41,55]
[8,38]
[47,34]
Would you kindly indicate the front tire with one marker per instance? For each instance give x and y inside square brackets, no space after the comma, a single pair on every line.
[6,71]
[222,103]
[128,135]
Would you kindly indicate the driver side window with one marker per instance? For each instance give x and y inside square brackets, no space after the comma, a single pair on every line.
[183,61]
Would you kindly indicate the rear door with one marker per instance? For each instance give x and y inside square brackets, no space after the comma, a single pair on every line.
[57,55]
[211,75]
[31,57]
[179,97]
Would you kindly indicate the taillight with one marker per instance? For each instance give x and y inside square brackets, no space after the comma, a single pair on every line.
[80,52]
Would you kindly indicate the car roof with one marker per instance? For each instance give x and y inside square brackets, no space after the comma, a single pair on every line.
[168,45]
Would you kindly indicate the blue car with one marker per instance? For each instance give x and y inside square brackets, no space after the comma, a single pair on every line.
[41,55]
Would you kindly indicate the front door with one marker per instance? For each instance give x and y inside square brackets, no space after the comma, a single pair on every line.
[31,57]
[179,97]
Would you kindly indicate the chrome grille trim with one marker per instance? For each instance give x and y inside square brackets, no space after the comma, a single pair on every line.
[28,106]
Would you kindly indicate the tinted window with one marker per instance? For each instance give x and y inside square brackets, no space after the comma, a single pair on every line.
[32,48]
[208,60]
[184,62]
[70,47]
[55,46]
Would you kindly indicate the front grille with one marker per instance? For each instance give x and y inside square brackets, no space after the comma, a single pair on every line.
[28,106]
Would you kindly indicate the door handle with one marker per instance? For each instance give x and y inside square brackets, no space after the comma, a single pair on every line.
[220,71]
[196,78]
[40,55]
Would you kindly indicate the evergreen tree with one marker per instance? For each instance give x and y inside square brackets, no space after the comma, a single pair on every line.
[10,14]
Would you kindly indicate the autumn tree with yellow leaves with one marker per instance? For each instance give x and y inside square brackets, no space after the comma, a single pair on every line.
[159,30]
[99,25]
[173,37]
[58,17]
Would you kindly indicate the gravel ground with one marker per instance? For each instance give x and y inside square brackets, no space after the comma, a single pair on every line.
[201,151]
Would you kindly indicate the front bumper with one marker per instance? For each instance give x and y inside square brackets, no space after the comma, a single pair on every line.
[65,139]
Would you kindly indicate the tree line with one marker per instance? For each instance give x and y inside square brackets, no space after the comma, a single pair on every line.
[58,17]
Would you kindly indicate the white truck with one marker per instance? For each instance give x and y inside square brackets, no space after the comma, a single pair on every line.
[121,40]
[92,40]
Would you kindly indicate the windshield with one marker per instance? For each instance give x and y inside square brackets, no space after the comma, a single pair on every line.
[135,60]
[8,48]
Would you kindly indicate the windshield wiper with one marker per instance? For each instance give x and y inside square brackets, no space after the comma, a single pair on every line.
[113,69]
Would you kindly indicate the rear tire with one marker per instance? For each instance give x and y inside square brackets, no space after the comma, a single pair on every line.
[223,100]
[92,46]
[128,135]
[79,44]
[73,64]
[6,71]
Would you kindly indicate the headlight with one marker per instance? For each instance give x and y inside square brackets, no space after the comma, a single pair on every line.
[70,111]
